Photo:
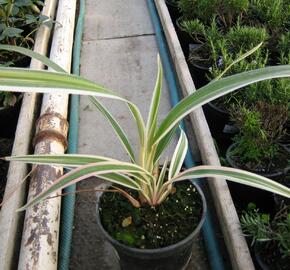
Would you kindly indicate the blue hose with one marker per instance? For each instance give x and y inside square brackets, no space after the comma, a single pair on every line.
[211,243]
[68,201]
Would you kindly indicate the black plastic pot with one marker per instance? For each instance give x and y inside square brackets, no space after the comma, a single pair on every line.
[269,259]
[184,38]
[243,195]
[198,70]
[198,73]
[173,257]
[259,259]
[173,9]
[222,129]
[8,119]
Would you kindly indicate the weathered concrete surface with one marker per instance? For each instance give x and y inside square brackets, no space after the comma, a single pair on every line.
[106,19]
[120,52]
[127,65]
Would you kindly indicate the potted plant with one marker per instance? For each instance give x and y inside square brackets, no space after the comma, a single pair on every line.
[256,148]
[270,236]
[142,182]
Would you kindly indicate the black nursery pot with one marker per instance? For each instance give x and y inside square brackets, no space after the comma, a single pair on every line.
[173,257]
[269,259]
[8,119]
[243,195]
[259,258]
[173,9]
[198,72]
[220,126]
[184,38]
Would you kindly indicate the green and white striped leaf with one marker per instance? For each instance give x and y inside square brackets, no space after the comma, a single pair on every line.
[43,59]
[41,81]
[19,84]
[118,129]
[217,89]
[66,160]
[117,178]
[83,172]
[153,111]
[234,175]
[162,174]
[178,155]
[72,161]
[139,121]
[164,142]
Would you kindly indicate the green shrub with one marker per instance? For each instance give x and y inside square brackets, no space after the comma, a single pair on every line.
[284,49]
[273,14]
[261,227]
[195,9]
[261,126]
[227,11]
[20,19]
[243,38]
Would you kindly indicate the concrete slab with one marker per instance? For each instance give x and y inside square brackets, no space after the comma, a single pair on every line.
[106,19]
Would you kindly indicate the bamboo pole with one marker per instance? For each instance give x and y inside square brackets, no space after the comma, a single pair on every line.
[228,218]
[10,222]
[39,246]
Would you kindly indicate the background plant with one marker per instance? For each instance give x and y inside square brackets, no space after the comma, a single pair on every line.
[225,12]
[20,19]
[261,228]
[272,14]
[260,128]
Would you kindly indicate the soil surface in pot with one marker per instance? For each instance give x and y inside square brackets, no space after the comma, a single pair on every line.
[152,227]
[269,255]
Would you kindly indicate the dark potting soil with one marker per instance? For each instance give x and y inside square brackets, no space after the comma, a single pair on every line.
[152,227]
[269,255]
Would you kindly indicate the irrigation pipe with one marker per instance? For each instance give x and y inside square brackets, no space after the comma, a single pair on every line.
[68,201]
[211,243]
[39,247]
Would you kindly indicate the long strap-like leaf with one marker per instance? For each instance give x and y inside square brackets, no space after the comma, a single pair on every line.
[118,129]
[83,172]
[73,161]
[153,110]
[67,160]
[28,80]
[178,155]
[217,89]
[235,175]
[14,80]
[45,60]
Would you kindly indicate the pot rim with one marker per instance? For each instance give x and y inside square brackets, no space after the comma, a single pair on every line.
[163,249]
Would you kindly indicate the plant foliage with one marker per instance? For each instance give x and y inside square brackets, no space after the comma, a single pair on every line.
[142,173]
